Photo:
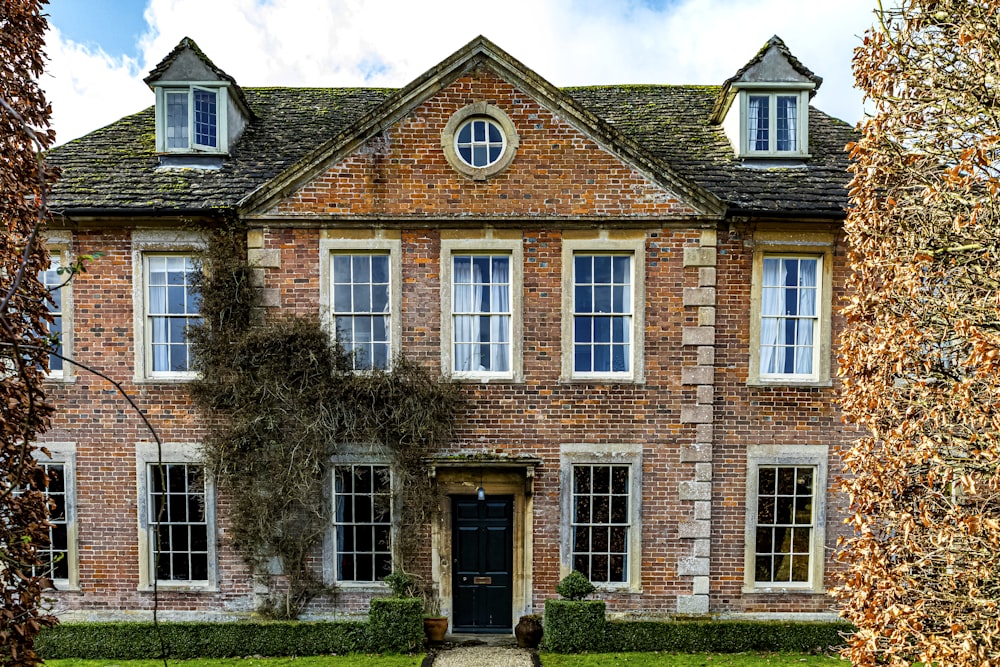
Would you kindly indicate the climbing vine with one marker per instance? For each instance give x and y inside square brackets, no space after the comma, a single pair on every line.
[286,400]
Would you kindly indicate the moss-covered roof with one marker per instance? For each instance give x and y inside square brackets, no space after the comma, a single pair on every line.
[116,167]
[672,122]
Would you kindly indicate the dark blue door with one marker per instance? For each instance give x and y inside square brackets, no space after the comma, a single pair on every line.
[483,553]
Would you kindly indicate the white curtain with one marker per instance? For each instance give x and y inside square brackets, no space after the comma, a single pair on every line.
[807,309]
[757,119]
[500,324]
[772,307]
[462,301]
[787,110]
[158,305]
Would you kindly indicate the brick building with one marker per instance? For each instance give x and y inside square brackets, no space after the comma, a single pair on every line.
[634,284]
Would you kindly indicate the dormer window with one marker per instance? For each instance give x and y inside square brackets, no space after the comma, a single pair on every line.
[200,110]
[192,120]
[774,124]
[192,113]
[764,107]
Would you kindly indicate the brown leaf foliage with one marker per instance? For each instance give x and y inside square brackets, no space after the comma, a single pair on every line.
[24,118]
[921,352]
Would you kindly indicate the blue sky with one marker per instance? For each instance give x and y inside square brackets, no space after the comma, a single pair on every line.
[99,50]
[112,25]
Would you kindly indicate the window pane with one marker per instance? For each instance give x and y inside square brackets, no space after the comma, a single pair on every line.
[784,523]
[602,285]
[205,118]
[789,315]
[177,120]
[786,122]
[361,306]
[600,521]
[172,306]
[176,502]
[481,302]
[758,117]
[362,522]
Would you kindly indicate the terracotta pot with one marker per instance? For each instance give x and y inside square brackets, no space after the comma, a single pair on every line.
[528,632]
[435,628]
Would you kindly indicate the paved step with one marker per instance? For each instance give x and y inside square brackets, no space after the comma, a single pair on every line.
[484,656]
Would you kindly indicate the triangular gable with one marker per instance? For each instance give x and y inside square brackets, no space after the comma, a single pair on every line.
[187,62]
[774,63]
[481,57]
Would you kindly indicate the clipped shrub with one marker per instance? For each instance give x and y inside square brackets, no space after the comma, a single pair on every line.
[402,584]
[396,623]
[395,627]
[723,636]
[575,586]
[572,626]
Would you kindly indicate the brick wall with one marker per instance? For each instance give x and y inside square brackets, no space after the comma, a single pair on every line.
[558,179]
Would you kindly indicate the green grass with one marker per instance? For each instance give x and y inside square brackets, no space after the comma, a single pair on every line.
[318,661]
[689,660]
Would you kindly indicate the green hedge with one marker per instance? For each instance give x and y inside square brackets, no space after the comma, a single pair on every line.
[722,636]
[396,624]
[572,626]
[393,628]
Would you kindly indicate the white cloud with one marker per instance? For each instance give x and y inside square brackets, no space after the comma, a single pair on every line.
[358,42]
[88,88]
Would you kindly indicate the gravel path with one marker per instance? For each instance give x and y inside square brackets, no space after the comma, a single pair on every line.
[484,656]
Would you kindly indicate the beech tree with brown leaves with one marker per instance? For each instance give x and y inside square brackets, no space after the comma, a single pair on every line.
[921,352]
[24,319]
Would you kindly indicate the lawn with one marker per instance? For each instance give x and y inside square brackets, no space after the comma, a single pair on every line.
[317,661]
[547,659]
[689,660]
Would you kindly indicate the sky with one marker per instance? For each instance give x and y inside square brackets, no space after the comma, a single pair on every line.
[100,50]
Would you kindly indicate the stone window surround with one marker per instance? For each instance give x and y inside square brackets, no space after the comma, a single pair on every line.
[64,454]
[60,244]
[604,243]
[630,454]
[816,456]
[221,90]
[155,241]
[773,90]
[146,454]
[495,242]
[356,455]
[370,243]
[794,244]
[486,110]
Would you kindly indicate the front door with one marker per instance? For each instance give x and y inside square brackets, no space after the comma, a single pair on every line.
[483,551]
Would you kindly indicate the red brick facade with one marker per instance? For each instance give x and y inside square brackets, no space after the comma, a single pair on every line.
[562,185]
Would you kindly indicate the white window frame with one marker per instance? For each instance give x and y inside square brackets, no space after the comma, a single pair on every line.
[64,454]
[59,251]
[636,247]
[773,91]
[336,524]
[155,242]
[146,455]
[486,111]
[492,247]
[804,245]
[352,455]
[221,91]
[328,247]
[473,143]
[576,454]
[802,456]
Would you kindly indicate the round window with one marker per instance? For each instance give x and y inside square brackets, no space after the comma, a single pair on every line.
[480,142]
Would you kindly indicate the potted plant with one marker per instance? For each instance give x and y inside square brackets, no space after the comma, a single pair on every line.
[528,631]
[435,625]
